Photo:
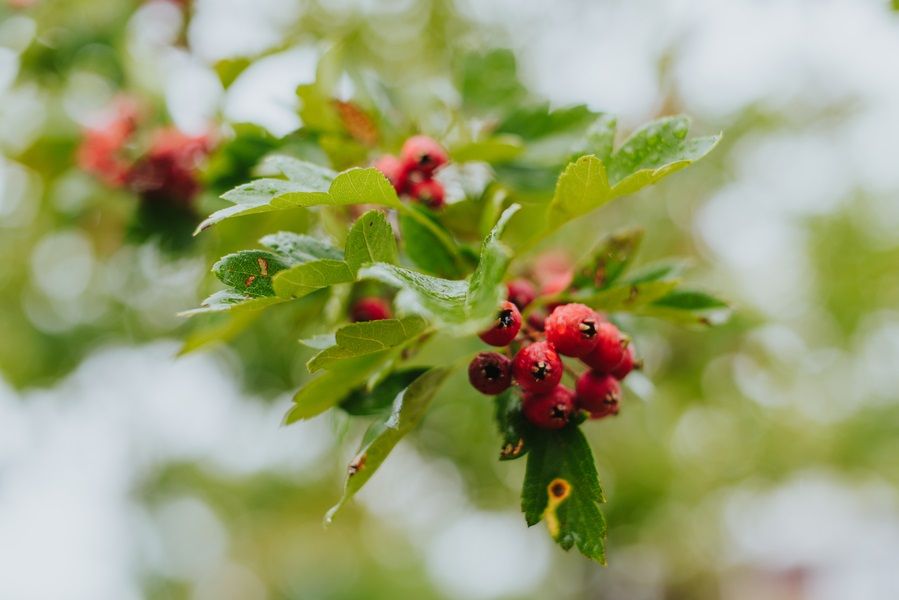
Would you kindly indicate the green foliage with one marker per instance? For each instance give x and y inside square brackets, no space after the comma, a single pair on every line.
[363,402]
[512,426]
[370,240]
[360,339]
[562,488]
[409,408]
[249,271]
[307,185]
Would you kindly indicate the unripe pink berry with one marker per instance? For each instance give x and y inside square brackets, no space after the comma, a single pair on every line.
[521,292]
[423,154]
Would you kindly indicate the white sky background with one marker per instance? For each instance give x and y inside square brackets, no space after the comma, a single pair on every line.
[69,456]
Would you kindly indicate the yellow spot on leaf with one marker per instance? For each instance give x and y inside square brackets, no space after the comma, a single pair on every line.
[558,491]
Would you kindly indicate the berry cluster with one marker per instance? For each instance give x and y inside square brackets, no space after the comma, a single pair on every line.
[536,367]
[164,170]
[412,173]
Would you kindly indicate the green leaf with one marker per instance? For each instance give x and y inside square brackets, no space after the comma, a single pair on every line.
[658,149]
[629,297]
[355,186]
[229,300]
[669,269]
[331,387]
[363,402]
[249,272]
[370,240]
[310,175]
[305,278]
[512,426]
[424,249]
[485,291]
[561,487]
[535,122]
[600,138]
[654,151]
[688,306]
[298,248]
[496,149]
[363,186]
[490,81]
[610,259]
[465,305]
[409,407]
[359,339]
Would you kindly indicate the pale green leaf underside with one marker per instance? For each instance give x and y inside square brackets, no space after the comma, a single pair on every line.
[359,339]
[408,409]
[355,186]
[229,300]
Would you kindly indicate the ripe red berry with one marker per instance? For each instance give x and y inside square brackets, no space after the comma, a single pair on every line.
[537,368]
[611,347]
[370,309]
[429,192]
[521,292]
[598,394]
[571,328]
[505,328]
[423,154]
[549,410]
[490,373]
[628,364]
[394,170]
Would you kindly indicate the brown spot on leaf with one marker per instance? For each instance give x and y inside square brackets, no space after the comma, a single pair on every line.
[511,450]
[249,281]
[263,266]
[357,465]
[559,489]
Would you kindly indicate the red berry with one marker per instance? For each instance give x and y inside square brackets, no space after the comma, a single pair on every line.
[170,170]
[628,364]
[505,328]
[429,192]
[490,373]
[370,309]
[537,320]
[571,328]
[521,292]
[423,154]
[537,368]
[611,346]
[393,170]
[549,410]
[598,394]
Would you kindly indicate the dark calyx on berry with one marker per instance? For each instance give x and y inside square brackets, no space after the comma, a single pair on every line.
[598,394]
[370,309]
[521,292]
[423,154]
[549,410]
[490,373]
[572,329]
[609,350]
[537,368]
[505,328]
